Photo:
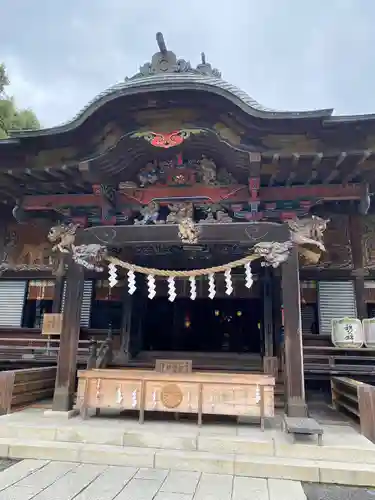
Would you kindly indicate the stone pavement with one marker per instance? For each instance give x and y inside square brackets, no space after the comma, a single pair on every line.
[43,480]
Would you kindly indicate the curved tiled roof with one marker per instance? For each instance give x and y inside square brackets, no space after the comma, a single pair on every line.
[184,81]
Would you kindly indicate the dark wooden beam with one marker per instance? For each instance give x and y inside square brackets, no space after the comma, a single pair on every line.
[275,162]
[88,173]
[357,168]
[333,192]
[335,172]
[314,171]
[294,374]
[241,233]
[107,199]
[254,183]
[58,294]
[293,171]
[356,240]
[67,360]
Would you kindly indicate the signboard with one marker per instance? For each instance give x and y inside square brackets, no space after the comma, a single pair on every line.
[173,366]
[52,324]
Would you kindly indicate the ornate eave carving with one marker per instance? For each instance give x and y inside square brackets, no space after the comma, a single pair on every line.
[165,61]
[307,234]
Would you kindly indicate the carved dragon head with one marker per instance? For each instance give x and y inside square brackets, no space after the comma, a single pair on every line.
[57,233]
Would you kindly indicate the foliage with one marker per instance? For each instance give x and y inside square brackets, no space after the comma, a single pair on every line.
[12,118]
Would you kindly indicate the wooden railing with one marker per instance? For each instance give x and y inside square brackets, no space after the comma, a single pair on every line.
[357,400]
[39,349]
[338,361]
[21,387]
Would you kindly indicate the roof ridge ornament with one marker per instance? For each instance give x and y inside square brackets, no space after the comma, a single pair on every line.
[165,61]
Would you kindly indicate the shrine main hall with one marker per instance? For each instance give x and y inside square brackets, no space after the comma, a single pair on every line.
[176,218]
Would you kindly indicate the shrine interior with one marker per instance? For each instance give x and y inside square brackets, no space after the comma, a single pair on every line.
[204,325]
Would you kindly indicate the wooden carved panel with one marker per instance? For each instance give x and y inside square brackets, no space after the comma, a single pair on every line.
[368,241]
[26,246]
[338,253]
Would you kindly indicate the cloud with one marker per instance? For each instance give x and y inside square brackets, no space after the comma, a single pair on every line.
[287,55]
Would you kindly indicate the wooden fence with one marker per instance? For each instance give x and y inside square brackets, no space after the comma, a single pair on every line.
[357,400]
[22,387]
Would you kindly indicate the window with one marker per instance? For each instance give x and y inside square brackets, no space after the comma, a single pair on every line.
[39,299]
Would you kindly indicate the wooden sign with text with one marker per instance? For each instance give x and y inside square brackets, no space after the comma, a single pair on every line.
[173,366]
[52,324]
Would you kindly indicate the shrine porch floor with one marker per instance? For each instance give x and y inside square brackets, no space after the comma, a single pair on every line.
[241,449]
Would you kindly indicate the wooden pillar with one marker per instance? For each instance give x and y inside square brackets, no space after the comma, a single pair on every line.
[67,360]
[267,314]
[58,294]
[356,240]
[294,374]
[125,332]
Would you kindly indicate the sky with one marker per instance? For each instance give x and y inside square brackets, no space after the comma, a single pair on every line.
[287,54]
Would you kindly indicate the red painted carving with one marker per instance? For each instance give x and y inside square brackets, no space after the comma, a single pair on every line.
[166,139]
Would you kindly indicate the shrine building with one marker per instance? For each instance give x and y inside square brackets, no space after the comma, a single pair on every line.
[175,217]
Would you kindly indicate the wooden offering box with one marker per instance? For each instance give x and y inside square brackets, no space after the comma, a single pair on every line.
[200,393]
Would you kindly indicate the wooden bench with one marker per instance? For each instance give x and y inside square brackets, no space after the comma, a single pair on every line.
[303,426]
[22,387]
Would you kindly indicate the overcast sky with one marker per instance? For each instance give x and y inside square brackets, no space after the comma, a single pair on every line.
[287,54]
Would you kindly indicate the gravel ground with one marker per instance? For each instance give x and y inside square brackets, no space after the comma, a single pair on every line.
[6,462]
[332,492]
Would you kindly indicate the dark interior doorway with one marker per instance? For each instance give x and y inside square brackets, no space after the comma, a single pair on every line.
[204,325]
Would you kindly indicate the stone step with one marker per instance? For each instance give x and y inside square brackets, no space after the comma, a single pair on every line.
[338,445]
[218,463]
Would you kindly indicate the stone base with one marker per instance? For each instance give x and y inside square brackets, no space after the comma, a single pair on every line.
[296,407]
[61,414]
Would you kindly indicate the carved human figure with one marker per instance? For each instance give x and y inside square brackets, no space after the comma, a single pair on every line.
[148,175]
[150,214]
[207,169]
[180,211]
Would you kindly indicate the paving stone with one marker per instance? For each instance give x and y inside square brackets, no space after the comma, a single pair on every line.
[351,474]
[44,450]
[250,488]
[140,489]
[167,495]
[46,475]
[33,432]
[278,468]
[280,489]
[31,485]
[214,487]
[116,455]
[160,440]
[181,482]
[195,460]
[147,473]
[233,444]
[108,485]
[68,487]
[18,471]
[83,434]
